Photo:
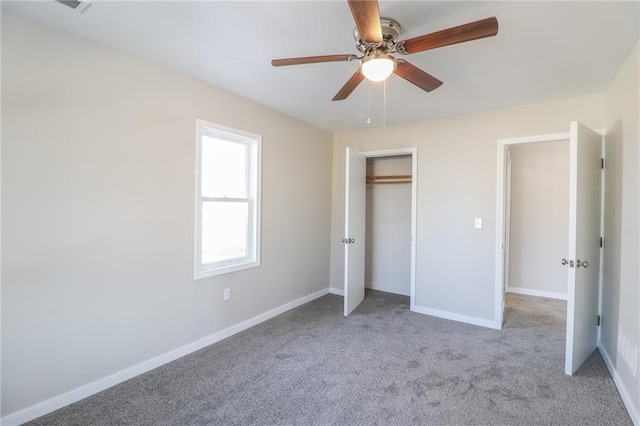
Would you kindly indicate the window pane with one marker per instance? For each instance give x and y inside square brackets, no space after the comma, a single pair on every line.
[224,231]
[224,166]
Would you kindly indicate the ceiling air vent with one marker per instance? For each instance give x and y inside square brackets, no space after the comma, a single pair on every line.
[77,5]
[336,121]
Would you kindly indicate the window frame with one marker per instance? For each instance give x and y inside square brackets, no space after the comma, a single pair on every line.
[253,142]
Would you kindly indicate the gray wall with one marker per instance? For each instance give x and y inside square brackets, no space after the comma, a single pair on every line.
[539,231]
[457,159]
[98,206]
[621,292]
[388,228]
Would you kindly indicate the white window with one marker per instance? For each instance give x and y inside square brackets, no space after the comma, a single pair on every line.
[227,228]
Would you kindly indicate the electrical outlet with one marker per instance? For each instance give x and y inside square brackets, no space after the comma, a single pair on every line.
[227,294]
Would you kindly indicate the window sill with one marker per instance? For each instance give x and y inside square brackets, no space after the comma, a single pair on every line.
[221,270]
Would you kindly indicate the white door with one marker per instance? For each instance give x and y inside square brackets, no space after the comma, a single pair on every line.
[354,230]
[584,245]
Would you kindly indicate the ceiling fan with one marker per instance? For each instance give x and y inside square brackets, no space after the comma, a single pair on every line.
[377,38]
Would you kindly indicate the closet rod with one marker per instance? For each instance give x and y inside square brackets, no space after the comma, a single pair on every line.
[389,177]
[388,182]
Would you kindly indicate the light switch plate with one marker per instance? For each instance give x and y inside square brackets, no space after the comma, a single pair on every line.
[477,223]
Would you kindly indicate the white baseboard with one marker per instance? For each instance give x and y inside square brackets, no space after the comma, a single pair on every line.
[456,317]
[337,291]
[99,385]
[388,288]
[395,290]
[537,293]
[622,390]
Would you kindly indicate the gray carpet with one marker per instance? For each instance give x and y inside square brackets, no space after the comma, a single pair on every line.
[383,365]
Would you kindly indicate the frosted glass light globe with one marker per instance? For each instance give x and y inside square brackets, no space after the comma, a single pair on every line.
[378,67]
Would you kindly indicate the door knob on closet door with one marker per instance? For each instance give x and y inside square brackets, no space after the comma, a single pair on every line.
[564,261]
[582,264]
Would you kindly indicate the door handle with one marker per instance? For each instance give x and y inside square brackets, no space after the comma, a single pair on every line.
[564,261]
[580,263]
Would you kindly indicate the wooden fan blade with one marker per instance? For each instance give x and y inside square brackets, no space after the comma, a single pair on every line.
[312,60]
[349,86]
[415,75]
[467,32]
[366,13]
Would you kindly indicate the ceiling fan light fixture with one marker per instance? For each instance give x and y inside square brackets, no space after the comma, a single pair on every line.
[378,67]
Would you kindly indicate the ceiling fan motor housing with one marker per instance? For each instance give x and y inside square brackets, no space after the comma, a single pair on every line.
[390,33]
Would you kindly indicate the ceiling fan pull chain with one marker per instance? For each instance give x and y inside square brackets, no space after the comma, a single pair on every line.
[368,102]
[384,105]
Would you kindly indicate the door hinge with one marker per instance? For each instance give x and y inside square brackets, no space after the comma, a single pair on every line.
[601,242]
[598,320]
[602,163]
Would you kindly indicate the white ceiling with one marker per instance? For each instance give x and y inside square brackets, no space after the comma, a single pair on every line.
[543,51]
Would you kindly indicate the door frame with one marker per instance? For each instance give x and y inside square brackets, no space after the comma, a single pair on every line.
[507,219]
[413,151]
[501,212]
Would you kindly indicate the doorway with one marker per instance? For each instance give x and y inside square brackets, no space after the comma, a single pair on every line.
[537,231]
[584,244]
[537,225]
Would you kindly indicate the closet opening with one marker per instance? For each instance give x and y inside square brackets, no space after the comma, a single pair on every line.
[380,224]
[388,224]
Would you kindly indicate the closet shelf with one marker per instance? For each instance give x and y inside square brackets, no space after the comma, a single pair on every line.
[388,179]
